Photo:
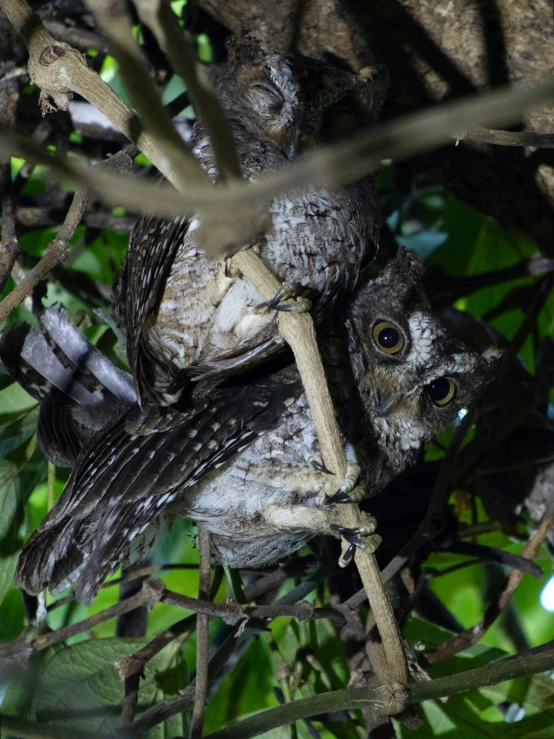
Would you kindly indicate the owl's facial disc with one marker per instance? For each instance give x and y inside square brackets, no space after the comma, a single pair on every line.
[411,378]
[413,374]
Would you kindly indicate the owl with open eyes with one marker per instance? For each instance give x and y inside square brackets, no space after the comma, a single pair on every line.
[186,313]
[241,456]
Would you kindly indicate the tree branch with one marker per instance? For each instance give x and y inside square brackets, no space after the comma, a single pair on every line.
[471,636]
[202,622]
[482,135]
[149,595]
[378,697]
[58,248]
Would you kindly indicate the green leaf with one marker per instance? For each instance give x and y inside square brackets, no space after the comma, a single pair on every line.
[14,433]
[18,478]
[80,688]
[18,699]
[13,399]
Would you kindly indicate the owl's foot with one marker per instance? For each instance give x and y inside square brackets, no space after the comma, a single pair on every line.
[360,537]
[348,491]
[287,293]
[323,521]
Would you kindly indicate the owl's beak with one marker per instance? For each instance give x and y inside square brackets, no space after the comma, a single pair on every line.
[290,150]
[387,403]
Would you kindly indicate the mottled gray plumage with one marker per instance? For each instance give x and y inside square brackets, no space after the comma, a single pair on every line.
[184,312]
[236,457]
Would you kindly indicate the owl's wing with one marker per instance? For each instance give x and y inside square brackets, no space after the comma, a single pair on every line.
[131,471]
[79,389]
[152,248]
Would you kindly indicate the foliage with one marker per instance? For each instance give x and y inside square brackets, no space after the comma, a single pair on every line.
[75,684]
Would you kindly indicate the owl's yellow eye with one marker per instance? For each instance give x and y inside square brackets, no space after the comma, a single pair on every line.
[388,337]
[441,391]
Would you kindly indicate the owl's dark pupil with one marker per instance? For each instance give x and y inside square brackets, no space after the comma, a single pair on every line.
[439,389]
[389,338]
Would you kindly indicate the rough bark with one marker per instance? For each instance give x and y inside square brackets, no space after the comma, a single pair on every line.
[434,51]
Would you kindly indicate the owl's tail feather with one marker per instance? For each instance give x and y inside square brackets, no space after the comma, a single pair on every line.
[79,389]
[39,564]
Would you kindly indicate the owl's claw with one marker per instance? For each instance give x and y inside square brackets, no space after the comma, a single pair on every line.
[362,537]
[229,269]
[317,464]
[348,491]
[287,292]
[353,535]
[347,556]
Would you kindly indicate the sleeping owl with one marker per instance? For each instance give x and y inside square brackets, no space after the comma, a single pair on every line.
[240,456]
[186,313]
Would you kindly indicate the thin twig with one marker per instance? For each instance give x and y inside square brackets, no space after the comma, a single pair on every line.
[482,135]
[149,595]
[234,613]
[471,636]
[162,21]
[499,556]
[131,624]
[202,622]
[134,664]
[9,246]
[58,248]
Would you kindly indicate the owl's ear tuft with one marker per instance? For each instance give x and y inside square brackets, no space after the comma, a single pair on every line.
[243,48]
[405,268]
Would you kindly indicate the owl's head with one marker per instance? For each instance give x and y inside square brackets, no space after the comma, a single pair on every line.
[294,101]
[414,374]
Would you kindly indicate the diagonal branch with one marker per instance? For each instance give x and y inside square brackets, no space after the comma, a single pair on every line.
[162,21]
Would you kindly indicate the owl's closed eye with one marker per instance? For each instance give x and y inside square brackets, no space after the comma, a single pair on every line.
[295,101]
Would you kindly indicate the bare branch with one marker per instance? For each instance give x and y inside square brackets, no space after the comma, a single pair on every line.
[116,23]
[505,138]
[161,20]
[149,595]
[58,248]
[471,636]
[202,622]
[378,698]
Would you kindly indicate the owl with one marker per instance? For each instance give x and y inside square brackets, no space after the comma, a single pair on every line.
[242,456]
[187,314]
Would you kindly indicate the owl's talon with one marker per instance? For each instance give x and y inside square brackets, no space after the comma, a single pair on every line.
[300,305]
[229,269]
[341,496]
[348,492]
[338,497]
[317,464]
[350,535]
[287,292]
[359,537]
[347,556]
